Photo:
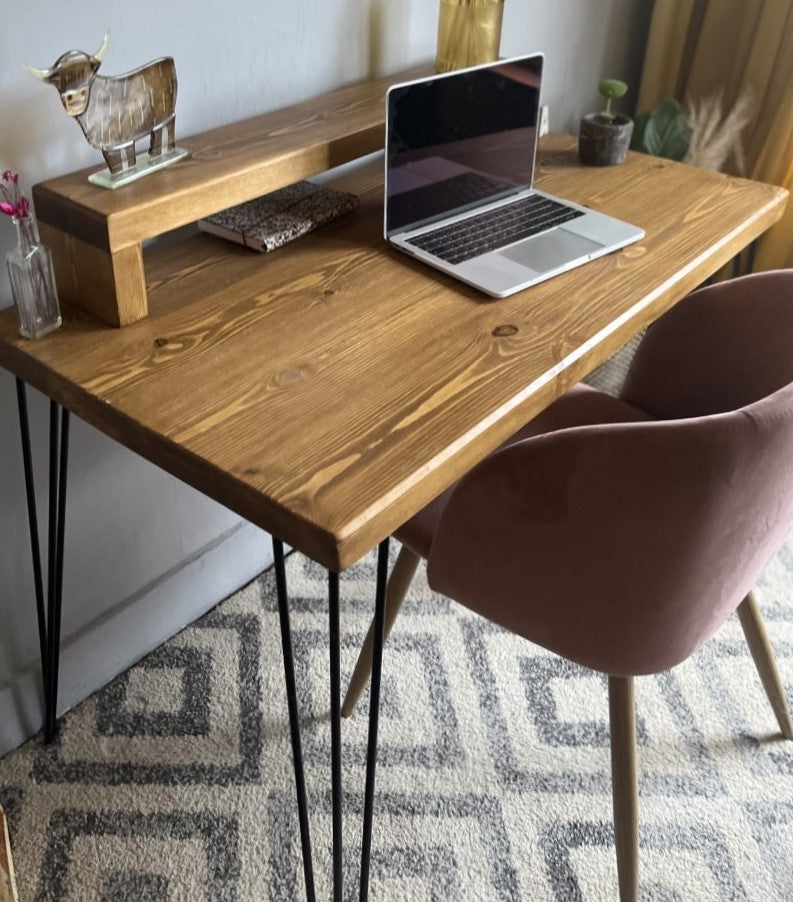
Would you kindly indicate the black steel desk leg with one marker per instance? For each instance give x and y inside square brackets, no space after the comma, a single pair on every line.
[294,723]
[743,261]
[33,525]
[374,713]
[335,731]
[59,462]
[49,624]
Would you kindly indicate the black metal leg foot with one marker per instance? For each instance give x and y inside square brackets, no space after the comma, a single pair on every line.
[49,623]
[294,723]
[374,713]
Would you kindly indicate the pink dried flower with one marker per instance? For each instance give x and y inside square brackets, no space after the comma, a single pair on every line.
[14,202]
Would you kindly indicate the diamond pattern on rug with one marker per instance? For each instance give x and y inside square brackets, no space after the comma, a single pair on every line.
[494,782]
[83,849]
[218,662]
[167,694]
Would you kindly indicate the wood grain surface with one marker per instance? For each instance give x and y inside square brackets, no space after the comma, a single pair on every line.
[329,390]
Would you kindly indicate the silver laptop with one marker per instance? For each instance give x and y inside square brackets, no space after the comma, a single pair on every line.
[459,166]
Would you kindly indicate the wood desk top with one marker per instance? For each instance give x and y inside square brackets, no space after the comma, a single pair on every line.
[329,390]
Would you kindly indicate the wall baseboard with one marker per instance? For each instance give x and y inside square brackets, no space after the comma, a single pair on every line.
[129,630]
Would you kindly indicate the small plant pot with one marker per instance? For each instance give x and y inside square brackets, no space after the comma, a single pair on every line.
[604,143]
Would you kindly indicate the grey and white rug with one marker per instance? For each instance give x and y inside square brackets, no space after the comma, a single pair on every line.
[175,782]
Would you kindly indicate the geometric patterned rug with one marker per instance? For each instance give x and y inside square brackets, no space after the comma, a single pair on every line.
[175,781]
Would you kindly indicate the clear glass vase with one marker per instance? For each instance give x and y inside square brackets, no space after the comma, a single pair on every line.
[33,281]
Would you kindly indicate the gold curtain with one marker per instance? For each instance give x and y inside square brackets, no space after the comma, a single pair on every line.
[698,48]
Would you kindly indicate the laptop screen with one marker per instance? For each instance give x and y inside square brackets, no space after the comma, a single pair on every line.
[457,141]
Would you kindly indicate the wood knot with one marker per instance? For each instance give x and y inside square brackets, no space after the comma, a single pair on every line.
[328,292]
[293,375]
[503,331]
[634,251]
[160,342]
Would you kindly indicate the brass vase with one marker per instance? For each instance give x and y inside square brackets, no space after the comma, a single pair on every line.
[469,33]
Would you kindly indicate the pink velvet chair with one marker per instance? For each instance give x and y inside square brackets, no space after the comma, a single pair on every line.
[622,532]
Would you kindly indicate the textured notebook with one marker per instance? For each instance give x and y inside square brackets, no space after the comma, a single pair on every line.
[274,219]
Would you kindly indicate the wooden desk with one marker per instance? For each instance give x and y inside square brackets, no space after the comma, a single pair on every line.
[328,391]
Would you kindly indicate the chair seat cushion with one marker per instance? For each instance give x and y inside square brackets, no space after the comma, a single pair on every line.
[581,406]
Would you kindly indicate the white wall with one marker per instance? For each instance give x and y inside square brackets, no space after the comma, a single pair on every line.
[145,554]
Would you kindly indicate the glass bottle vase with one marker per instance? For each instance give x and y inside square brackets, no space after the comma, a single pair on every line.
[33,281]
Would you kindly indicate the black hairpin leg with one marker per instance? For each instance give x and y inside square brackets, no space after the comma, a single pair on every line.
[743,261]
[374,713]
[49,624]
[335,731]
[750,255]
[59,457]
[294,723]
[33,523]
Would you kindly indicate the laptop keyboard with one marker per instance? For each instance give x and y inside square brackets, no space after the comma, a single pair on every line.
[495,229]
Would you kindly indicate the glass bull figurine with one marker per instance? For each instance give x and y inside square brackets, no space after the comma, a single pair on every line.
[116,111]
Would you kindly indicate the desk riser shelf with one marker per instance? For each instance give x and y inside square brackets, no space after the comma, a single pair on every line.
[97,236]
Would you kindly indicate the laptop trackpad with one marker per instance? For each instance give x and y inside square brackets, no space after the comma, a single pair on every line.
[551,250]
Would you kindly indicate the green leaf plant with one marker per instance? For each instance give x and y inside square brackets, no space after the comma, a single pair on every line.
[610,89]
[663,132]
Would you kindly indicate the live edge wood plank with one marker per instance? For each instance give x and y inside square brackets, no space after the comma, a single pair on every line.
[330,389]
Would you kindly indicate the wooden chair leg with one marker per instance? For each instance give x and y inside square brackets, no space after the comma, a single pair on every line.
[763,654]
[625,786]
[398,585]
[8,887]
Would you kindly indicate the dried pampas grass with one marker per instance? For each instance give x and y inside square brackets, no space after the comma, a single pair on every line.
[714,135]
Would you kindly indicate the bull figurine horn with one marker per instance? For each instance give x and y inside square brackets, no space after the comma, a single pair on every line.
[40,74]
[100,54]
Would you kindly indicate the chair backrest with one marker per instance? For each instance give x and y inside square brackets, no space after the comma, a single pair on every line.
[721,348]
[625,546]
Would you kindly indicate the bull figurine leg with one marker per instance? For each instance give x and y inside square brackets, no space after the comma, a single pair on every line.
[157,146]
[120,159]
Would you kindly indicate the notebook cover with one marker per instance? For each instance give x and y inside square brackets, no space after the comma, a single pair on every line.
[274,219]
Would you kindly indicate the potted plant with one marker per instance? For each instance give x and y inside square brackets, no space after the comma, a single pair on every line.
[604,137]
